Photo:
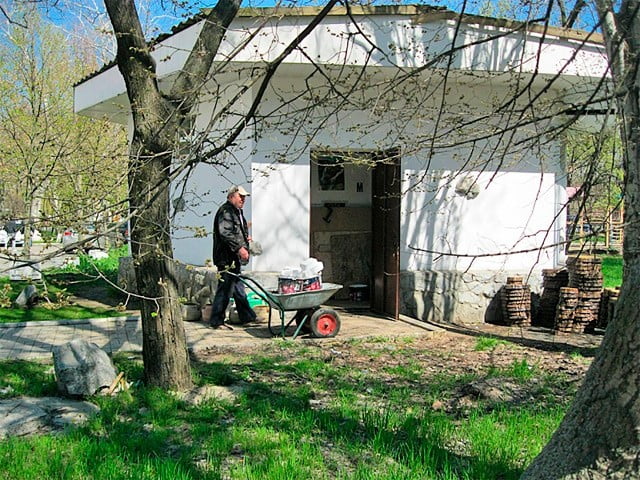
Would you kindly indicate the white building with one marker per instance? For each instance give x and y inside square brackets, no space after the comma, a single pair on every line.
[473,164]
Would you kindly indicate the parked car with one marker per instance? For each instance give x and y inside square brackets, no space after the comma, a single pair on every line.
[12,234]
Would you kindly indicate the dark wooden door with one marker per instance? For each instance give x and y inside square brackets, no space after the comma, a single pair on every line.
[385,226]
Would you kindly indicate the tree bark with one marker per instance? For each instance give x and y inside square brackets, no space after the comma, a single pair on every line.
[157,119]
[164,346]
[600,435]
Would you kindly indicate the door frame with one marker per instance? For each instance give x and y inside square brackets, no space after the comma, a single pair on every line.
[385,225]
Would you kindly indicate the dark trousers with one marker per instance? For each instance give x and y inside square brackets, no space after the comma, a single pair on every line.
[229,286]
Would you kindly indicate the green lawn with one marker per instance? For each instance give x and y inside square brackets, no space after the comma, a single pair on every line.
[73,293]
[298,416]
[612,271]
[60,286]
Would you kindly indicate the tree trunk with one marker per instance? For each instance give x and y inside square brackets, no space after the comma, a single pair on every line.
[164,345]
[600,435]
[598,438]
[155,121]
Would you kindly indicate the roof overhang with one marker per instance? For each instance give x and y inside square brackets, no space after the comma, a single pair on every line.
[429,31]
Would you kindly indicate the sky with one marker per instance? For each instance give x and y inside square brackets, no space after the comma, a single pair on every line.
[160,15]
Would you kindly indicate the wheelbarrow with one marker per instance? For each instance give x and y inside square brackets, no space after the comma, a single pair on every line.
[310,317]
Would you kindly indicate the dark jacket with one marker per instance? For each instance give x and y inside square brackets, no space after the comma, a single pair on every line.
[230,233]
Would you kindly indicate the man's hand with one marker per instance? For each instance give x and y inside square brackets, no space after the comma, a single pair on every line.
[243,253]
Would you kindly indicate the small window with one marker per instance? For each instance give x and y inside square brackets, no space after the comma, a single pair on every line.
[330,172]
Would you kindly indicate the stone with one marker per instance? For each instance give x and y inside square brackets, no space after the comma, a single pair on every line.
[82,368]
[29,416]
[27,297]
[98,254]
[26,272]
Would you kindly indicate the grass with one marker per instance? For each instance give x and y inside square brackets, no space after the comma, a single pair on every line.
[59,286]
[518,370]
[612,271]
[83,281]
[297,417]
[488,343]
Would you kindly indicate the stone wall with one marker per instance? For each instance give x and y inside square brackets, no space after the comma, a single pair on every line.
[449,297]
[195,284]
[456,297]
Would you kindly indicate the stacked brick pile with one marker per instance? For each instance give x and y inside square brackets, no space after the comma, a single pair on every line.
[553,279]
[516,303]
[585,274]
[568,300]
[572,298]
[607,306]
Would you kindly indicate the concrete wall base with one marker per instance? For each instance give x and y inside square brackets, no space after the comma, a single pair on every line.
[434,296]
[195,284]
[457,297]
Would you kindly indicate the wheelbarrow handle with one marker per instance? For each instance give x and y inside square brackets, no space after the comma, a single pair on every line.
[271,300]
[259,290]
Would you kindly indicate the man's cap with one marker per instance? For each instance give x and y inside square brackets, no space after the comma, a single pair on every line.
[238,189]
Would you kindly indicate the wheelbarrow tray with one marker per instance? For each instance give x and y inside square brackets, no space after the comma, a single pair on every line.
[303,300]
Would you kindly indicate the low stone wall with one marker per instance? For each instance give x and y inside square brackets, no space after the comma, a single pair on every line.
[456,297]
[448,297]
[195,284]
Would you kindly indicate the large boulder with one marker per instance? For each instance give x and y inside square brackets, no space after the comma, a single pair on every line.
[82,368]
[28,297]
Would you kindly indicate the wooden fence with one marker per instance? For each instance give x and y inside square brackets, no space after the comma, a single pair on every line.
[597,232]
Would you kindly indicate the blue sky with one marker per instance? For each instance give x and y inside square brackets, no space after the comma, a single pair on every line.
[160,15]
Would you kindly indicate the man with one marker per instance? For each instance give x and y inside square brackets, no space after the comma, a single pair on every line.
[230,251]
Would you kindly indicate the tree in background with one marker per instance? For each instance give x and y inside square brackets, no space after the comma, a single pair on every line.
[595,173]
[70,169]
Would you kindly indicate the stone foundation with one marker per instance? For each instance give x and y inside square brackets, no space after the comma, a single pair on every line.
[447,297]
[195,284]
[456,297]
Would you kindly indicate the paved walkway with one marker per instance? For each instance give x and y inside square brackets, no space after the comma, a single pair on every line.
[35,340]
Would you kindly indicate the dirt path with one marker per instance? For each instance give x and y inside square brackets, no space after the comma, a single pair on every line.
[489,372]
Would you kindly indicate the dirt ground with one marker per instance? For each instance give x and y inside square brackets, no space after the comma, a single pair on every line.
[456,349]
[491,375]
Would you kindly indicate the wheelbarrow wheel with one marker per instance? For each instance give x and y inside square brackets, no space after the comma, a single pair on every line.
[325,323]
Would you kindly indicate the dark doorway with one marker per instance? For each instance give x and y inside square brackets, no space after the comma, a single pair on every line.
[355,225]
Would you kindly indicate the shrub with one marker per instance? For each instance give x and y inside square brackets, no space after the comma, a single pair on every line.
[106,266]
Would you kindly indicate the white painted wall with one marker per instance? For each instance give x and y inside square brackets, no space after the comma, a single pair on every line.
[201,191]
[514,208]
[513,212]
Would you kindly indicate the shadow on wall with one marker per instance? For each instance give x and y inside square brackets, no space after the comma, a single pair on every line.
[430,296]
[493,313]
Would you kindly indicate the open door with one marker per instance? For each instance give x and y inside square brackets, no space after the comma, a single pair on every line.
[385,226]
